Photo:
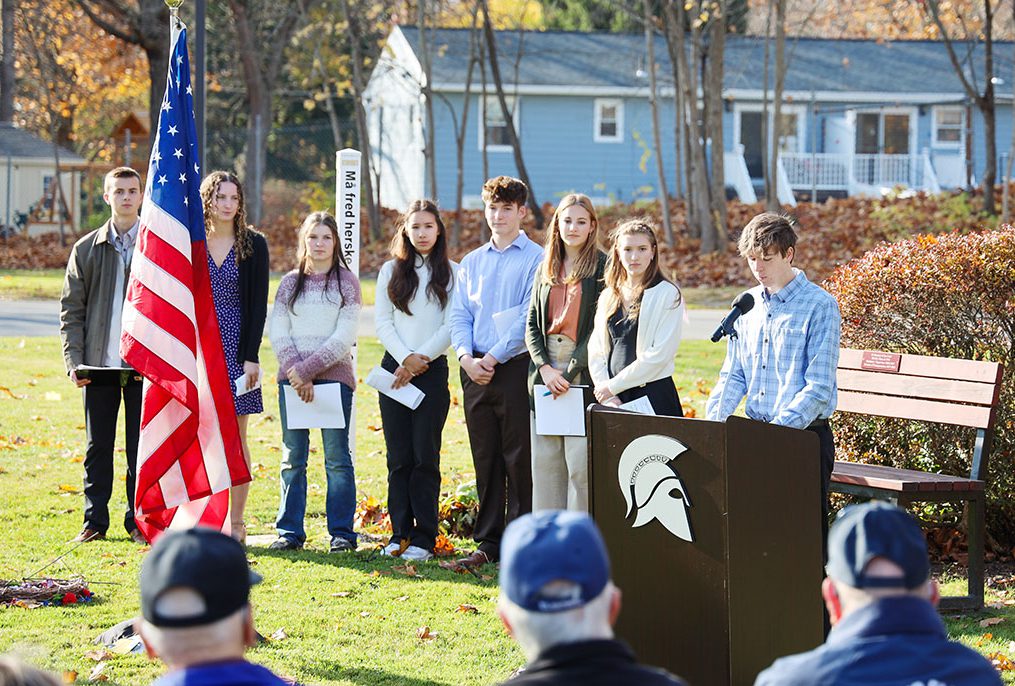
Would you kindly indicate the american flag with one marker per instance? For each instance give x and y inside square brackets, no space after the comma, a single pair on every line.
[189,453]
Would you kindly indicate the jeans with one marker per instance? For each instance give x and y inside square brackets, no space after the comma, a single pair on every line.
[340,502]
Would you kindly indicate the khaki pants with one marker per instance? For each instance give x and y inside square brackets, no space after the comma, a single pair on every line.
[560,477]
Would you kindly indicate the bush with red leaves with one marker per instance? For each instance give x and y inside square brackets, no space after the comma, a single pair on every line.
[948,295]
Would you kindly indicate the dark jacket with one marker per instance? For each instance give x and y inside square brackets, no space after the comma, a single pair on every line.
[895,641]
[591,663]
[536,325]
[86,304]
[253,286]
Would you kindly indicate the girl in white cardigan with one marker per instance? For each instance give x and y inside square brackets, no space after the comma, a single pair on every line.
[637,326]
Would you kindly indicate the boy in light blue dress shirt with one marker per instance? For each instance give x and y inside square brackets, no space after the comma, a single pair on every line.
[785,353]
[487,322]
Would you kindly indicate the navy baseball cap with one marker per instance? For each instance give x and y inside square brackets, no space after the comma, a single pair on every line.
[204,561]
[552,545]
[877,529]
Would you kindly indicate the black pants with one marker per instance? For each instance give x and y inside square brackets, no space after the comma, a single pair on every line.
[826,441]
[497,416]
[102,405]
[413,439]
[662,393]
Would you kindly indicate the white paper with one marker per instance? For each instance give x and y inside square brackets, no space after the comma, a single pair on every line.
[241,384]
[505,319]
[641,405]
[324,412]
[560,416]
[382,380]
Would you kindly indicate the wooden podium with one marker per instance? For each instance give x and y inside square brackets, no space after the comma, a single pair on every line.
[745,590]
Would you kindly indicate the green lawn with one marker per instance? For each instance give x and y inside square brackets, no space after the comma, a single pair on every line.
[349,619]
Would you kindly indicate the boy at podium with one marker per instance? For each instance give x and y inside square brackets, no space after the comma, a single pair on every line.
[783,353]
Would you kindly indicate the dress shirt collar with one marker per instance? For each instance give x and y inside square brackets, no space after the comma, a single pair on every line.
[127,240]
[518,243]
[786,293]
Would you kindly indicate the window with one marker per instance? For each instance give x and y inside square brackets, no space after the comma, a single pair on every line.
[949,123]
[493,125]
[609,121]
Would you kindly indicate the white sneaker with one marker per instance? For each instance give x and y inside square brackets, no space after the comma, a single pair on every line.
[414,552]
[390,549]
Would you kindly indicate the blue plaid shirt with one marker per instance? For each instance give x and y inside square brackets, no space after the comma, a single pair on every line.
[783,358]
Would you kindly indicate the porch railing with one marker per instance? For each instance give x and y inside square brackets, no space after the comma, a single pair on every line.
[839,171]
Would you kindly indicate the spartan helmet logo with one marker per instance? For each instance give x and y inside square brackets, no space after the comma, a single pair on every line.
[652,488]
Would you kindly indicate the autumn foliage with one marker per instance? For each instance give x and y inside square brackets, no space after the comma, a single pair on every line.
[948,295]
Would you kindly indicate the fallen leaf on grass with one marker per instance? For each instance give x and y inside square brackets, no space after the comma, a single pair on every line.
[424,634]
[97,673]
[70,676]
[373,428]
[77,459]
[401,598]
[991,621]
[67,488]
[486,577]
[341,594]
[52,395]
[36,417]
[9,392]
[443,547]
[1001,662]
[279,635]
[364,614]
[99,654]
[408,570]
[27,604]
[468,609]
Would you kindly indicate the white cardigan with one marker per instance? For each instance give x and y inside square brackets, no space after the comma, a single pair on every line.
[660,321]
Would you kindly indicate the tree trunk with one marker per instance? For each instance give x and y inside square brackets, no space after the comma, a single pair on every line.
[7,78]
[516,145]
[766,133]
[772,201]
[664,200]
[426,54]
[460,135]
[714,133]
[678,115]
[363,133]
[1006,191]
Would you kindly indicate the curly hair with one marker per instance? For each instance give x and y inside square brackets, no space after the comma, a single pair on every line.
[241,230]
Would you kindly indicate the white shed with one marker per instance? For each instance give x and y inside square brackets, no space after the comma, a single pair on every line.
[28,183]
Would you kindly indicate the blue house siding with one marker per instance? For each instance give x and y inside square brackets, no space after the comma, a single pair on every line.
[559,149]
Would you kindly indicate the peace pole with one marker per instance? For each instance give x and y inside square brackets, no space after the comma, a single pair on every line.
[347,194]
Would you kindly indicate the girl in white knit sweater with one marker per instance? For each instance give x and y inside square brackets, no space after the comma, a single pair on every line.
[312,330]
[638,323]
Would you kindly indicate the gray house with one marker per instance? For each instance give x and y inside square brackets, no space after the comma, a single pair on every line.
[859,116]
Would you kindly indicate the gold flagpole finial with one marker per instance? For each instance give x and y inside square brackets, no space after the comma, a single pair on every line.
[174,7]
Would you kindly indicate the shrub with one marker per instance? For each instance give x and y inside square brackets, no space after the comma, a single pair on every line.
[950,295]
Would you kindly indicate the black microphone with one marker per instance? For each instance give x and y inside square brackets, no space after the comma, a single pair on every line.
[742,305]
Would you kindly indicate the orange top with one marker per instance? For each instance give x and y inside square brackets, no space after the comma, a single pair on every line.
[562,309]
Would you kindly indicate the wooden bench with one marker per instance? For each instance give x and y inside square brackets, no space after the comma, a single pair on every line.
[931,389]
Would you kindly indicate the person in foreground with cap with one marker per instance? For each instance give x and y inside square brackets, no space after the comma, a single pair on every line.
[881,601]
[557,601]
[195,609]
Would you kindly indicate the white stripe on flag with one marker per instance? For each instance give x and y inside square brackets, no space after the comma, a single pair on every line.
[160,342]
[160,428]
[188,514]
[162,224]
[174,486]
[209,435]
[163,284]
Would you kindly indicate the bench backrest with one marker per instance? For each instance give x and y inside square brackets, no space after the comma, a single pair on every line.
[919,387]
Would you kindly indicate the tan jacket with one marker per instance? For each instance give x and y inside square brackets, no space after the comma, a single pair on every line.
[87,301]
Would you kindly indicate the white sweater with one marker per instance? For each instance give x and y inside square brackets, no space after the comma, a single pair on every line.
[425,331]
[660,321]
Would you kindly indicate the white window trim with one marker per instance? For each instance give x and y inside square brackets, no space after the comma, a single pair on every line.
[953,145]
[599,104]
[491,98]
[801,121]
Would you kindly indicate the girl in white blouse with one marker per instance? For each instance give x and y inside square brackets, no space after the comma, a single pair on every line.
[638,323]
[413,293]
